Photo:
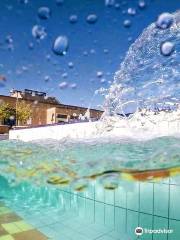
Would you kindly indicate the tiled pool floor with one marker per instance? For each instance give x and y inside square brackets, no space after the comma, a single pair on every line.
[42,226]
[13,227]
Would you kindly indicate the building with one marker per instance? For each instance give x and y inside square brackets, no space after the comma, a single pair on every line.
[46,110]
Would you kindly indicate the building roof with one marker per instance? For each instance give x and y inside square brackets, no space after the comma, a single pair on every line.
[29,94]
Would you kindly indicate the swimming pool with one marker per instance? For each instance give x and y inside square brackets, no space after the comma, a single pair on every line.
[98,213]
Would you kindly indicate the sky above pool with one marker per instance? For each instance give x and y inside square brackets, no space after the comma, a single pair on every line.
[95,49]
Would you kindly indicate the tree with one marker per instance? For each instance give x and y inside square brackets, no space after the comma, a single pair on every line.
[23,112]
[6,112]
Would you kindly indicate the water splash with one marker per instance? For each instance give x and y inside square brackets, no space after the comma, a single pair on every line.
[147,77]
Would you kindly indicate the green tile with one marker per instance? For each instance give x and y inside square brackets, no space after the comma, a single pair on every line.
[4,210]
[6,237]
[23,225]
[11,228]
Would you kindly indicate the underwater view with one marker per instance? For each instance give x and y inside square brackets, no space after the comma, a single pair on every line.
[89,120]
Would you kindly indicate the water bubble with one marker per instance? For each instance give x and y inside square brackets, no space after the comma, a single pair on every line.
[73,85]
[92,51]
[47,78]
[109,3]
[127,23]
[164,21]
[39,32]
[85,53]
[73,19]
[103,80]
[106,51]
[9,39]
[63,85]
[48,57]
[70,64]
[92,18]
[31,46]
[61,45]
[167,48]
[131,11]
[64,75]
[117,6]
[142,4]
[99,74]
[44,12]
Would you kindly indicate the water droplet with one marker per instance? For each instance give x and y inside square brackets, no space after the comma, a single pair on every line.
[167,48]
[31,46]
[48,57]
[64,75]
[73,85]
[85,53]
[106,51]
[117,6]
[73,19]
[164,21]
[127,23]
[70,64]
[109,3]
[131,11]
[63,85]
[99,74]
[9,39]
[47,78]
[39,32]
[103,80]
[142,4]
[44,12]
[92,18]
[92,51]
[61,45]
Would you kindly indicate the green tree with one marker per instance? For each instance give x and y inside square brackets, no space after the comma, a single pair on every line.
[23,112]
[6,112]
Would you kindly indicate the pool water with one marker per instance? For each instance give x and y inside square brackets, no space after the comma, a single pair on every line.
[94,190]
[97,213]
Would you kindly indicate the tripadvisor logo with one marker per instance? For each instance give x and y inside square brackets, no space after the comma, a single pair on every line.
[139,231]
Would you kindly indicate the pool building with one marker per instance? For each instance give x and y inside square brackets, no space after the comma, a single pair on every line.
[44,109]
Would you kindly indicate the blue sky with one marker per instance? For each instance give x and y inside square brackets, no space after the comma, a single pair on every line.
[98,47]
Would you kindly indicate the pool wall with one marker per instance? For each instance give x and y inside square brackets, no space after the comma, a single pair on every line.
[91,130]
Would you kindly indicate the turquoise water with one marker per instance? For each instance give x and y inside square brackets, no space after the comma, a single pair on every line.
[78,162]
[94,197]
